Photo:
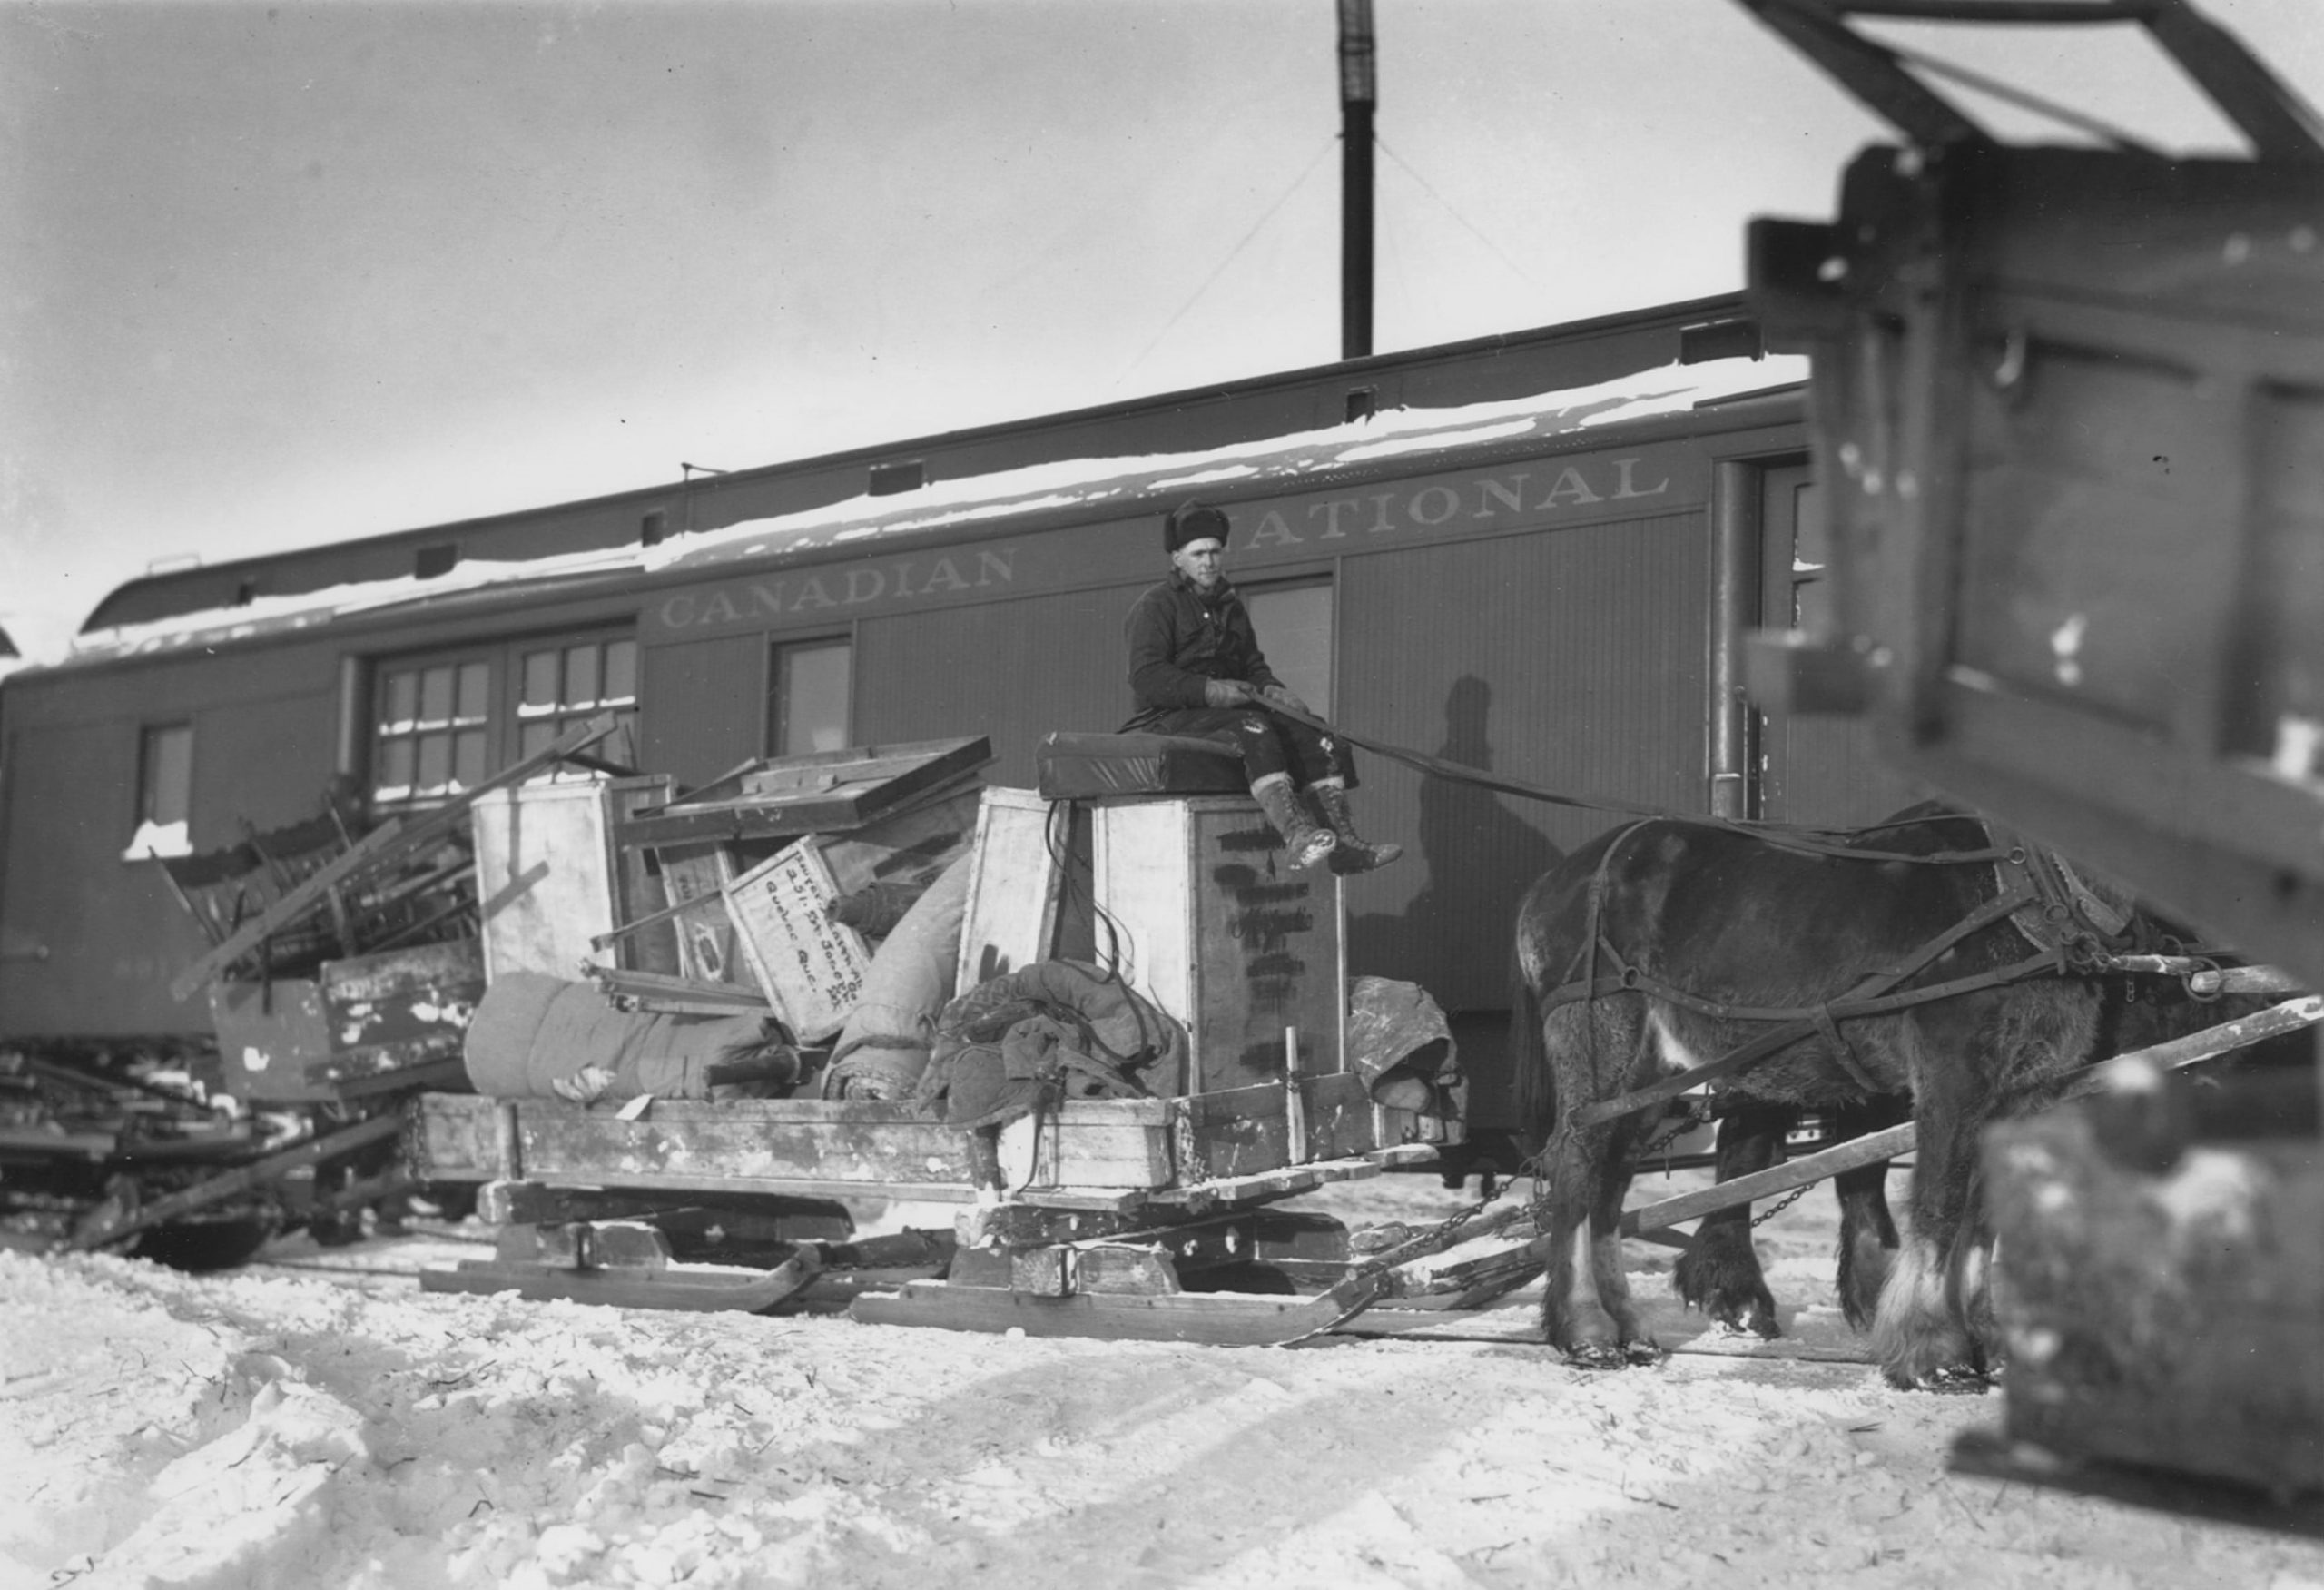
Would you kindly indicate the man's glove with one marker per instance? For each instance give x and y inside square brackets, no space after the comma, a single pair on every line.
[1283,697]
[1226,693]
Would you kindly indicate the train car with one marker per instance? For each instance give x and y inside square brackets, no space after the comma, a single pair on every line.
[1535,555]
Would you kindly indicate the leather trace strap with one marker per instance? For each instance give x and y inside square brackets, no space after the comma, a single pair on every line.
[1872,997]
[2048,883]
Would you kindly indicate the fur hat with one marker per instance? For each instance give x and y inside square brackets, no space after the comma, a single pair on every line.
[1193,521]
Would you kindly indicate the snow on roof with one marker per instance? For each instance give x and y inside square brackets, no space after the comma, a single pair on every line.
[1088,483]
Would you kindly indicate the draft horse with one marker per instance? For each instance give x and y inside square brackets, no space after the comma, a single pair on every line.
[1929,957]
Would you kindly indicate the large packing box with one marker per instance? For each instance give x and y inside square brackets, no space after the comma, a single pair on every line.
[366,1025]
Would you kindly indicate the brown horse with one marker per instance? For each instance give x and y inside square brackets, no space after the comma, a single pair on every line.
[1664,945]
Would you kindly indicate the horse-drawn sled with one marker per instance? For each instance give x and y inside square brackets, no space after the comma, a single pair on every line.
[1123,1181]
[1107,1034]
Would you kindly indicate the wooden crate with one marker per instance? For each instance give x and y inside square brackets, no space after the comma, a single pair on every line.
[1015,881]
[1222,935]
[366,1025]
[2171,1318]
[545,876]
[810,968]
[910,844]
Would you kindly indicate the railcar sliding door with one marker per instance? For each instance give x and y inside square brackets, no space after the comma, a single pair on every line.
[1815,769]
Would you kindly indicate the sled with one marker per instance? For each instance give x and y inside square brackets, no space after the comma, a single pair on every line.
[752,1205]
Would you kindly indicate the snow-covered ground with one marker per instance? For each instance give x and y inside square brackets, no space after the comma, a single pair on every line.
[310,1426]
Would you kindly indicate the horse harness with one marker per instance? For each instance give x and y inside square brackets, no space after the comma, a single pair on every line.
[2068,924]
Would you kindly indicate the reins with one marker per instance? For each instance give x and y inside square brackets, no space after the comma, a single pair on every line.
[1788,836]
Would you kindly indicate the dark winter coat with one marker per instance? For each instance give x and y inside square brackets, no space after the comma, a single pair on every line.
[1179,639]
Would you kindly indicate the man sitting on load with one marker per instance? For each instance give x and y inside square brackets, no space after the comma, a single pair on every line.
[1196,668]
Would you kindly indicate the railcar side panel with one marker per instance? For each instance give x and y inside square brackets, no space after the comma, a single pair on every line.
[703,704]
[1013,670]
[1571,659]
[265,763]
[91,941]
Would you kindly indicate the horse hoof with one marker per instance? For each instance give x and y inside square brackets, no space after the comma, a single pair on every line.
[1643,1354]
[1756,1330]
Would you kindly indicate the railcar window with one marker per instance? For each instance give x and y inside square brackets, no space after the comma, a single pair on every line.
[566,685]
[446,722]
[1294,622]
[164,792]
[434,735]
[812,682]
[1811,558]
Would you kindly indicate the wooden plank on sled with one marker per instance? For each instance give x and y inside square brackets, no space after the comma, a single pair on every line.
[1290,1179]
[1221,1318]
[643,1277]
[1104,1150]
[660,992]
[1214,1319]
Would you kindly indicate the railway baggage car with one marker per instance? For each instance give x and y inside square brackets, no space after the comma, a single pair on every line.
[1535,555]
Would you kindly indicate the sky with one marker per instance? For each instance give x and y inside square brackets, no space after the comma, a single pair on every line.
[272,275]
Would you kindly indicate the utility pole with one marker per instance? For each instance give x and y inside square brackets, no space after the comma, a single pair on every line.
[1359,94]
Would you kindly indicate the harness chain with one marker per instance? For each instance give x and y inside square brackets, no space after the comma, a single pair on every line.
[1784,1202]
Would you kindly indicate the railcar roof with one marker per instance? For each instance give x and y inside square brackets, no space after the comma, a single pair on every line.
[955,506]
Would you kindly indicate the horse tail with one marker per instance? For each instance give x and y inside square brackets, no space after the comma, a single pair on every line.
[1537,1081]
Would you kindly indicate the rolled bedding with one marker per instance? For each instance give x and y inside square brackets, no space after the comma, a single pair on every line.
[883,1048]
[531,1031]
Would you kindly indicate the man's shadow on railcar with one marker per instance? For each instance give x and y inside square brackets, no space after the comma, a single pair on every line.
[1479,856]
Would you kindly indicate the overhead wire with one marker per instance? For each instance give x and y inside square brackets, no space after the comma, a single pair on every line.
[1220,270]
[1406,167]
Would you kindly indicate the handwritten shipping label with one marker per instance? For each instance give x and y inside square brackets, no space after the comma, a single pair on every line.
[811,968]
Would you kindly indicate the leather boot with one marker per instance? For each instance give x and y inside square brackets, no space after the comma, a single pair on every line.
[1350,855]
[1307,844]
